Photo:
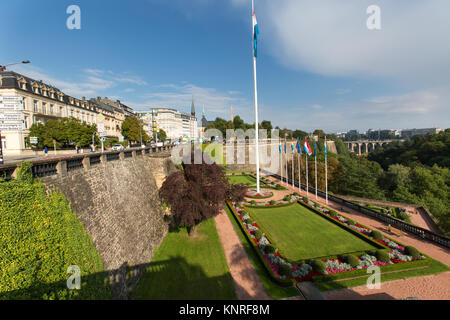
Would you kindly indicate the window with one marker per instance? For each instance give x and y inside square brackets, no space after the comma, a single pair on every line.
[35,106]
[69,112]
[44,108]
[26,120]
[60,111]
[51,109]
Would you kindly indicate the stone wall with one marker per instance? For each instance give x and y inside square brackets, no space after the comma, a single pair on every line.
[119,205]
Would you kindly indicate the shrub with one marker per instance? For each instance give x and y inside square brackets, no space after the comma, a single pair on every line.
[24,173]
[40,237]
[382,256]
[350,222]
[376,235]
[249,221]
[284,270]
[287,197]
[305,199]
[352,260]
[295,193]
[253,202]
[258,234]
[413,252]
[319,266]
[332,213]
[269,249]
[272,202]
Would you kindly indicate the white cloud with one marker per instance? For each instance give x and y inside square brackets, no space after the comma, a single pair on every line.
[343,91]
[330,38]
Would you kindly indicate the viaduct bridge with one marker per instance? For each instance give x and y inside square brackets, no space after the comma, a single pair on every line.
[366,146]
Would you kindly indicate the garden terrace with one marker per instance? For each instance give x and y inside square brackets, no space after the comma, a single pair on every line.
[300,233]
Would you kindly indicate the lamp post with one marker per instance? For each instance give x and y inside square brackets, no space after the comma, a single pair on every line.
[3,68]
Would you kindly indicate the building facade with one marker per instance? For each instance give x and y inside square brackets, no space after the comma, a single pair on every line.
[42,102]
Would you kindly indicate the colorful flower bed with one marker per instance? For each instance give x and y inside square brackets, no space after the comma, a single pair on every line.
[263,194]
[281,268]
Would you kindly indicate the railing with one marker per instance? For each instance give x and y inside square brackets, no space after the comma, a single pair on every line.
[397,223]
[63,165]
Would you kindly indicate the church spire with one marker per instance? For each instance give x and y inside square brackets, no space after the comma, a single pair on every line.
[192,106]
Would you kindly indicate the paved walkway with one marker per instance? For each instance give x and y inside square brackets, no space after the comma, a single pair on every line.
[246,281]
[426,287]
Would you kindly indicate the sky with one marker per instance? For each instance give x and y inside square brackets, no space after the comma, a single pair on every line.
[319,66]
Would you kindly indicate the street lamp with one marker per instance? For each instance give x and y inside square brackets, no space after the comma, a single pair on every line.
[3,68]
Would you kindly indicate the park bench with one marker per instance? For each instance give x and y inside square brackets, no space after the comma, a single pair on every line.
[396,231]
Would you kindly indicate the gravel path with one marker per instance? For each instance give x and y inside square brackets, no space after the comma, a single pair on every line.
[246,281]
[425,287]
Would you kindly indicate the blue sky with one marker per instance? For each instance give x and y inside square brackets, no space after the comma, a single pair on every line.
[318,65]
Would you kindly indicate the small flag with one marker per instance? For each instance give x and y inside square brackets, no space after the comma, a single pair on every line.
[292,148]
[298,146]
[285,149]
[315,148]
[255,34]
[325,145]
[307,148]
[279,148]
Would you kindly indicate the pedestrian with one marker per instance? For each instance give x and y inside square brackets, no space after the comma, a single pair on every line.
[76,148]
[45,150]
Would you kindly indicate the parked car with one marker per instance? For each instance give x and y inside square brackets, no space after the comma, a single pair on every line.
[118,147]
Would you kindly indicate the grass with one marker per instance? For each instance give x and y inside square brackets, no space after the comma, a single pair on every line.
[188,268]
[272,289]
[241,179]
[434,268]
[300,233]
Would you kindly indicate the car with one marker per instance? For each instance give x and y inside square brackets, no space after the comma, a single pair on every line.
[118,147]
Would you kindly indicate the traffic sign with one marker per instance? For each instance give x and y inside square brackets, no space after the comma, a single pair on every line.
[100,127]
[34,140]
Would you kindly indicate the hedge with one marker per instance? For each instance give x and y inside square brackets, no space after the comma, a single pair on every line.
[40,238]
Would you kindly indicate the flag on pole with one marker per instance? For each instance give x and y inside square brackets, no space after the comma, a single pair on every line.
[279,148]
[285,147]
[325,145]
[255,35]
[315,148]
[298,146]
[307,148]
[292,148]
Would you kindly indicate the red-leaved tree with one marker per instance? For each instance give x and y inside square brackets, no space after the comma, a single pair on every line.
[198,192]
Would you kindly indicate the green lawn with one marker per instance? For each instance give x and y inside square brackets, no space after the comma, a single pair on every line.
[241,179]
[272,289]
[300,233]
[184,268]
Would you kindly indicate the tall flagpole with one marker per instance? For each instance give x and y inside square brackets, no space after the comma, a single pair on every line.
[293,184]
[299,172]
[256,103]
[307,184]
[326,173]
[315,164]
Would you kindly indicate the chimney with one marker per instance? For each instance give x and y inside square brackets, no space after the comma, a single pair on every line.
[83,99]
[99,98]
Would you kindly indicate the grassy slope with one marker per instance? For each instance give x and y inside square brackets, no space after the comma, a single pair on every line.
[272,289]
[300,233]
[184,268]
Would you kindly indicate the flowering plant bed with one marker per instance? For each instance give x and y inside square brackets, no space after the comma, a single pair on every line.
[388,254]
[252,193]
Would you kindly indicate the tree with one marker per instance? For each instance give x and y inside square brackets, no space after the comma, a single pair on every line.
[132,129]
[162,135]
[267,125]
[198,192]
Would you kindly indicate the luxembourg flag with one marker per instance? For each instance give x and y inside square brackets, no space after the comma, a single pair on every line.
[307,148]
[255,35]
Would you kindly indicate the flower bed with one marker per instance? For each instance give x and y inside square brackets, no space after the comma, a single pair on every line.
[253,194]
[282,269]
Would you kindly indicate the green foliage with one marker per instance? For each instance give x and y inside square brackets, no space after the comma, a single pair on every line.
[269,249]
[67,132]
[413,252]
[162,135]
[249,221]
[284,270]
[318,266]
[332,213]
[382,256]
[24,173]
[258,234]
[132,130]
[272,202]
[253,202]
[427,149]
[287,197]
[376,235]
[352,260]
[41,237]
